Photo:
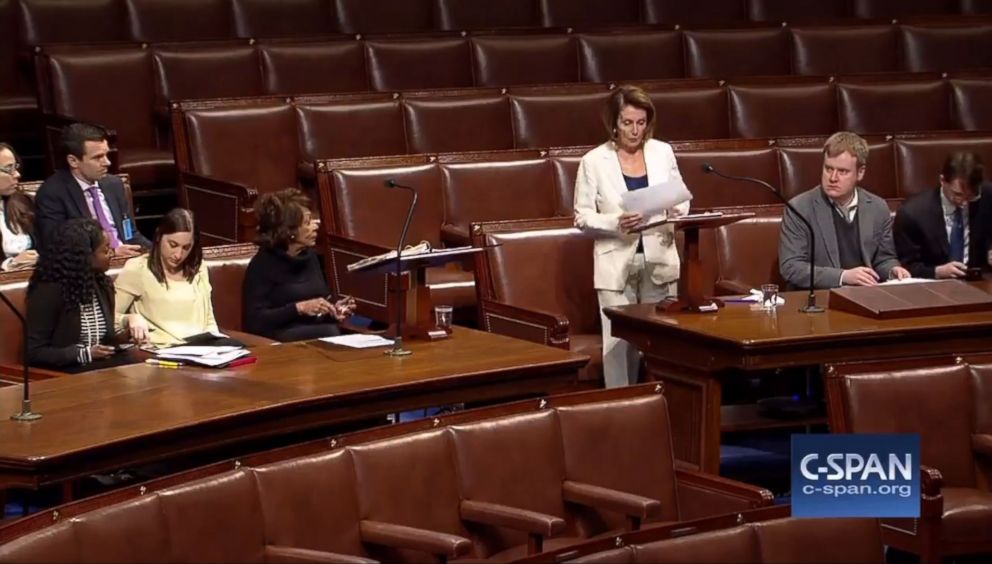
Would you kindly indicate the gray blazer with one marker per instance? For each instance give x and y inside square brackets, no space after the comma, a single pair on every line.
[874,223]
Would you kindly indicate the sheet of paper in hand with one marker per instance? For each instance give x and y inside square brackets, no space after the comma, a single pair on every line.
[657,198]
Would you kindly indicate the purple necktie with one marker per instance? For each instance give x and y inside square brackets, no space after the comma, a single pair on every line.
[108,227]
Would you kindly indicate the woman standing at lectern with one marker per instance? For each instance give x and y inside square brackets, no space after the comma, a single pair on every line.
[629,267]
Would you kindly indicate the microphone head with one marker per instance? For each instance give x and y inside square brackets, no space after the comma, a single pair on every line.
[707,167]
[390,183]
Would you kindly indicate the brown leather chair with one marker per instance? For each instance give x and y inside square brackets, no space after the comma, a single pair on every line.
[598,13]
[48,21]
[893,106]
[943,48]
[282,18]
[754,159]
[747,252]
[844,49]
[621,471]
[396,64]
[437,124]
[154,21]
[458,15]
[968,96]
[318,66]
[312,503]
[525,59]
[383,16]
[534,282]
[327,129]
[556,119]
[738,52]
[955,447]
[867,9]
[918,161]
[780,110]
[409,504]
[180,71]
[773,11]
[681,13]
[566,168]
[630,55]
[690,111]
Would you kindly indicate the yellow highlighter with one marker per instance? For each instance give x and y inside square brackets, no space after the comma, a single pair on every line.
[163,363]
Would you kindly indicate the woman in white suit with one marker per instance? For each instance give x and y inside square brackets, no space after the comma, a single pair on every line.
[629,267]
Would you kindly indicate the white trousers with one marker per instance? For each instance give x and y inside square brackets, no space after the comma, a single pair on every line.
[620,359]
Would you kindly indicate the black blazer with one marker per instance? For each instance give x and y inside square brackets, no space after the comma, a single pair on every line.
[53,329]
[920,233]
[60,198]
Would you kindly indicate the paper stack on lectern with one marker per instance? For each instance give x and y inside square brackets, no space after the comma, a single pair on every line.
[204,356]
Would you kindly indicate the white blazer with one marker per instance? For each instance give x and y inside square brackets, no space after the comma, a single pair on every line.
[599,187]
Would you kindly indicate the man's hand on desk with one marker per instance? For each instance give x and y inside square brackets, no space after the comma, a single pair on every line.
[899,273]
[859,276]
[953,269]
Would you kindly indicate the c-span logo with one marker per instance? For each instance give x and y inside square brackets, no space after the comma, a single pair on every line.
[856,475]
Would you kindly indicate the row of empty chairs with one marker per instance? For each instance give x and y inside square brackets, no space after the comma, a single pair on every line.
[495,483]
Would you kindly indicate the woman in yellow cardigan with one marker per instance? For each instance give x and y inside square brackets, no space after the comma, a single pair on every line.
[164,297]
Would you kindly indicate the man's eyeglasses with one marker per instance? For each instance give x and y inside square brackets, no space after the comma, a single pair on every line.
[11,169]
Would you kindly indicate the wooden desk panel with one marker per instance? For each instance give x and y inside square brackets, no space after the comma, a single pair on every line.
[691,353]
[133,414]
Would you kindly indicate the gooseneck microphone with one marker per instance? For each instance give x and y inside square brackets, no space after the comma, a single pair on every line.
[398,349]
[25,414]
[810,306]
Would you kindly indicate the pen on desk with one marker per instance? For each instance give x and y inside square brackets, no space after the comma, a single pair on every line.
[163,363]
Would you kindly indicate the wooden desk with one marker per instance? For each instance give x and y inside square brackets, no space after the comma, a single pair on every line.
[692,352]
[136,414]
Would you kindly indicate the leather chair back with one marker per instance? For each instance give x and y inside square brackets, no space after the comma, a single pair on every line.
[682,13]
[45,21]
[868,9]
[782,110]
[937,48]
[690,111]
[281,18]
[808,541]
[968,95]
[487,191]
[558,120]
[155,21]
[621,452]
[413,64]
[327,130]
[747,251]
[630,55]
[710,191]
[802,167]
[180,71]
[738,52]
[773,11]
[311,502]
[383,16]
[439,124]
[918,161]
[599,13]
[893,106]
[457,15]
[319,66]
[525,59]
[847,49]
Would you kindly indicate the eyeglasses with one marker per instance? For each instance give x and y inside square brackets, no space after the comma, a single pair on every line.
[11,169]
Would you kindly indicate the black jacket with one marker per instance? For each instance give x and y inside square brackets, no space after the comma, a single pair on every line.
[60,198]
[920,233]
[274,282]
[53,328]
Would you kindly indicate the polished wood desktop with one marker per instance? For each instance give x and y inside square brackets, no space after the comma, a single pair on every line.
[99,421]
[692,352]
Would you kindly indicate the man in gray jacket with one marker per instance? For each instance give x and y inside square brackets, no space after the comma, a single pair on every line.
[853,226]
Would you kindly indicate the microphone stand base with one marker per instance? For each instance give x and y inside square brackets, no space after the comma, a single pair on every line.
[26,414]
[812,309]
[397,352]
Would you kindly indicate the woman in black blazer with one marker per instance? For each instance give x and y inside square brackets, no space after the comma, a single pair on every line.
[70,302]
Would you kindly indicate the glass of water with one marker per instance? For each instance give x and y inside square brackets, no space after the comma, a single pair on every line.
[769,296]
[442,317]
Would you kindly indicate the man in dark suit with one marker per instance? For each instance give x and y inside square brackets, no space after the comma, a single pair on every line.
[943,232]
[85,190]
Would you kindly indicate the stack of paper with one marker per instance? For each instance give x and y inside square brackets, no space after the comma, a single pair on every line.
[358,341]
[205,356]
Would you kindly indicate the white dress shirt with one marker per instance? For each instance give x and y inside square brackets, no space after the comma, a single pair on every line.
[13,243]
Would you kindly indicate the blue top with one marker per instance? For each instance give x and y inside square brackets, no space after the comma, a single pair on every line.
[636,183]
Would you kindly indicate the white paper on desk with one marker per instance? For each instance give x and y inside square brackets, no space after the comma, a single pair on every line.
[358,341]
[654,200]
[908,281]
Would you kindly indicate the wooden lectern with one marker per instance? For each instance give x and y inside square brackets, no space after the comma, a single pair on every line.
[896,301]
[691,283]
[411,293]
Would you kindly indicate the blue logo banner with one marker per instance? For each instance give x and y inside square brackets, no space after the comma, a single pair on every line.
[853,475]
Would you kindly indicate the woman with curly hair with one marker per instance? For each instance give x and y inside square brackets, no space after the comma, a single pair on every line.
[71,301]
[16,215]
[286,293]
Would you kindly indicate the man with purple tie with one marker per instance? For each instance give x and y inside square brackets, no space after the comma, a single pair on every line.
[85,190]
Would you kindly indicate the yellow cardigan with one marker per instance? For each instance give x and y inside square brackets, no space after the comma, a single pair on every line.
[174,312]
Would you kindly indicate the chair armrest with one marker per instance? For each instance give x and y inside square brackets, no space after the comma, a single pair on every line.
[703,495]
[411,538]
[631,505]
[245,195]
[455,235]
[730,288]
[531,325]
[289,554]
[931,481]
[497,515]
[981,443]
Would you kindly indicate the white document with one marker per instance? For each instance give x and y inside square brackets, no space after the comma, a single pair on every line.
[908,281]
[189,350]
[358,341]
[654,200]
